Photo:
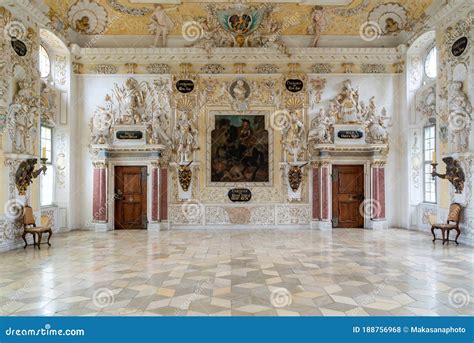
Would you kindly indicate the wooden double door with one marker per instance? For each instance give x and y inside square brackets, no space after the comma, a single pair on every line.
[347,196]
[130,198]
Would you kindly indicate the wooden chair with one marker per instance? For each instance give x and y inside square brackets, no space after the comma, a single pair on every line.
[454,216]
[29,226]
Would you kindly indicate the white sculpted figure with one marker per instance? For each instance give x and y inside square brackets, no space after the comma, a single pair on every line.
[160,25]
[101,122]
[376,123]
[294,136]
[321,127]
[460,117]
[319,22]
[21,114]
[131,102]
[185,137]
[348,100]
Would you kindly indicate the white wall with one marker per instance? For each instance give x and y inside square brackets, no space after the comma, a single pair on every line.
[91,90]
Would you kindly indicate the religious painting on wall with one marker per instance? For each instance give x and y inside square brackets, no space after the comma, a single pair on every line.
[239,149]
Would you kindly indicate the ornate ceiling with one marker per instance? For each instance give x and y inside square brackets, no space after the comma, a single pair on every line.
[132,17]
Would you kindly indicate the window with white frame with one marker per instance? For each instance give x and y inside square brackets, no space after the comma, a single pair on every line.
[430,63]
[44,62]
[429,153]
[47,180]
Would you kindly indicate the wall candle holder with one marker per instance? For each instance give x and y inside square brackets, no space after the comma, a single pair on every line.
[454,173]
[26,173]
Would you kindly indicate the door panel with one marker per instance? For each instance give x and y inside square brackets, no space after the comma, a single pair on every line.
[130,204]
[348,196]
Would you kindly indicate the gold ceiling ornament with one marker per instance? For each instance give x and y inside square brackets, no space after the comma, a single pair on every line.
[185,175]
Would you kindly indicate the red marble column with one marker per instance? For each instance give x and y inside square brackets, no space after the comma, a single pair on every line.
[325,192]
[316,195]
[163,197]
[99,195]
[154,194]
[378,191]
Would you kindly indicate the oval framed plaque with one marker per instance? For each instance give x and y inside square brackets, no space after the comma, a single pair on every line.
[459,46]
[19,47]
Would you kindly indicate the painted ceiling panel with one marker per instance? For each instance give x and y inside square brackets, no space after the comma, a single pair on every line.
[123,17]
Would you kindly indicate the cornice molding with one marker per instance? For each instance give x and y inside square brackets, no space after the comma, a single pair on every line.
[234,55]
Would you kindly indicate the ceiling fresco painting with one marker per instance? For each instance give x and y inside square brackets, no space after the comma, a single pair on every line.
[123,17]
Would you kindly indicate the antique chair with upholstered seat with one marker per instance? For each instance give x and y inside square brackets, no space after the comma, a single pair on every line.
[29,226]
[452,223]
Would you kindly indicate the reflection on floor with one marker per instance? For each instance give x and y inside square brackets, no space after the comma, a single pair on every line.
[239,272]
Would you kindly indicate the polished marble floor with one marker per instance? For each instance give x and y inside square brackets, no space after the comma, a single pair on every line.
[239,273]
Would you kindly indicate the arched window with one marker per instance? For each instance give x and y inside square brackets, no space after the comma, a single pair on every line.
[44,62]
[430,64]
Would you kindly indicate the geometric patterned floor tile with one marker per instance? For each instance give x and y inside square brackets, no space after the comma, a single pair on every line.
[239,273]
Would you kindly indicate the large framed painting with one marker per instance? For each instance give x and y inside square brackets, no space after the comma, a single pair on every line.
[239,149]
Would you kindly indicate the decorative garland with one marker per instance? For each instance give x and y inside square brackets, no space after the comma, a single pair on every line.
[137,12]
[353,11]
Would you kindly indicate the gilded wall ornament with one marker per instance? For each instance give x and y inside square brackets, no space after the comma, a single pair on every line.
[348,68]
[322,68]
[372,68]
[318,84]
[267,68]
[185,176]
[295,176]
[106,69]
[212,68]
[158,68]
